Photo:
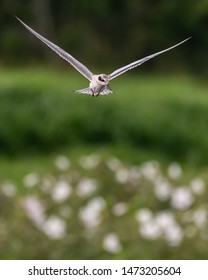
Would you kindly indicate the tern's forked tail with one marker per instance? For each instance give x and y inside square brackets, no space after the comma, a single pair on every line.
[90,91]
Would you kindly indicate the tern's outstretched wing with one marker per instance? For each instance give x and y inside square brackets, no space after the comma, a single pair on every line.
[69,58]
[140,61]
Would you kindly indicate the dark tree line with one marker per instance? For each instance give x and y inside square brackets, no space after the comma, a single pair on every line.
[95,30]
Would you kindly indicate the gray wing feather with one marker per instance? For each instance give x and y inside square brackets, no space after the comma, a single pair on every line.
[134,64]
[69,58]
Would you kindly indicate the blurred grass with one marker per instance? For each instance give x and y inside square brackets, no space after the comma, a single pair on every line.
[156,114]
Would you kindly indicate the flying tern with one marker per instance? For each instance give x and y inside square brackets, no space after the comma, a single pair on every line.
[99,84]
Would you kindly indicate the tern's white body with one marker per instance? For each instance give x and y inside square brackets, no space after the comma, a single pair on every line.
[99,84]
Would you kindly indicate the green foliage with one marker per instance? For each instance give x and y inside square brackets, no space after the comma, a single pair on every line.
[117,29]
[156,114]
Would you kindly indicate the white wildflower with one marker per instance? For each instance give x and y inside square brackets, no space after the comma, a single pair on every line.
[61,191]
[62,163]
[54,227]
[8,189]
[173,234]
[174,170]
[150,170]
[199,217]
[143,215]
[114,163]
[86,187]
[91,213]
[181,198]
[162,224]
[111,243]
[122,175]
[34,209]
[165,219]
[89,162]
[31,179]
[197,186]
[120,208]
[162,189]
[150,230]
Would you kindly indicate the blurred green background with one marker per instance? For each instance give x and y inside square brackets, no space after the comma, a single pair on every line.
[122,176]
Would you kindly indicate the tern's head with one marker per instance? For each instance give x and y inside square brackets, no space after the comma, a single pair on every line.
[102,79]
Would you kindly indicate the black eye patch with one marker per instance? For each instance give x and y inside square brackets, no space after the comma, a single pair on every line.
[101,79]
